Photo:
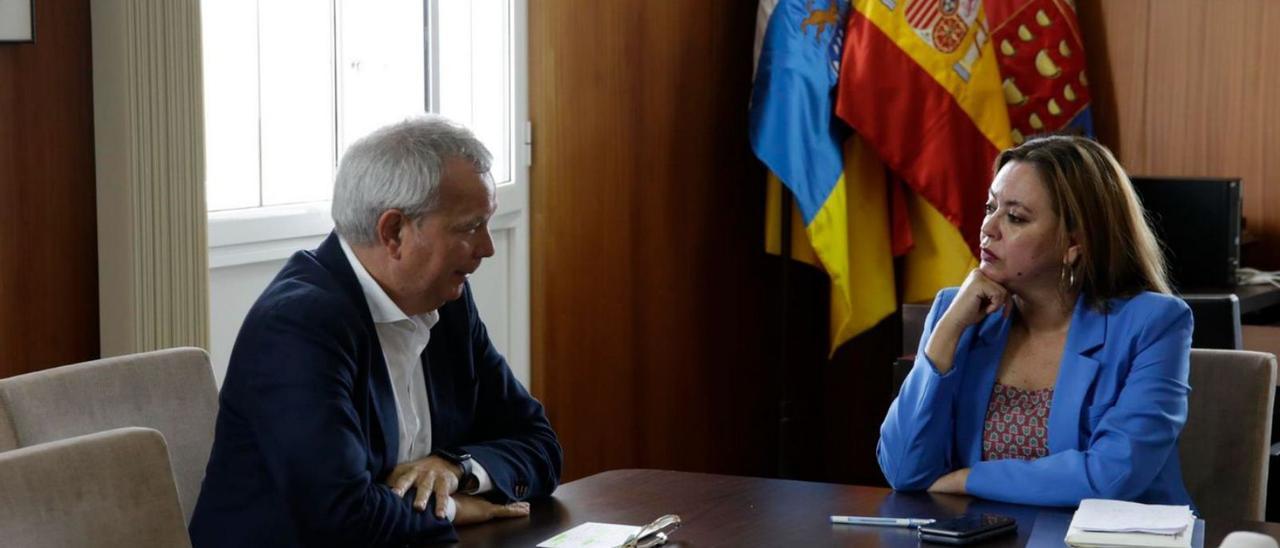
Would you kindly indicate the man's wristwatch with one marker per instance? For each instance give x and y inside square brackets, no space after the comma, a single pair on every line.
[468,482]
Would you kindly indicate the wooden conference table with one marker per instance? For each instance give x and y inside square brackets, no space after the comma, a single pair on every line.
[741,511]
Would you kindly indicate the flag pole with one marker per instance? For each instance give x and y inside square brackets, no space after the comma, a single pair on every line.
[786,468]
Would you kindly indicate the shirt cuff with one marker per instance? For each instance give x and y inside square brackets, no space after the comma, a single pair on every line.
[483,483]
[450,509]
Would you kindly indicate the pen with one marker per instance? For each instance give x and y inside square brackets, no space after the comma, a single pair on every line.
[884,522]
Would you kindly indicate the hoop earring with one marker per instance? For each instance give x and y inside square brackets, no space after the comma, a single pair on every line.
[1067,276]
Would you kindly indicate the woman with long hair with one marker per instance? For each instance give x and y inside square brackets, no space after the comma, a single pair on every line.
[1058,370]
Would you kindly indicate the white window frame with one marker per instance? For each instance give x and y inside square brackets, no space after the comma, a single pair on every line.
[257,234]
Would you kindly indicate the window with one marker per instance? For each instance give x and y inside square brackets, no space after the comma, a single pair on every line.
[289,84]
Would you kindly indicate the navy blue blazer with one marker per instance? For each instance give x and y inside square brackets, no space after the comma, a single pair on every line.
[1119,404]
[307,430]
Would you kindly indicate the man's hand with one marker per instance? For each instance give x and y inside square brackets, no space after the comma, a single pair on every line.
[472,509]
[952,483]
[431,475]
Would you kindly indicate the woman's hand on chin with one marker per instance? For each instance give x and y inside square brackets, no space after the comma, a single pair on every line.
[978,297]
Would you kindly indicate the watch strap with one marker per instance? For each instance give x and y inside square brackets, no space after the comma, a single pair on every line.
[468,482]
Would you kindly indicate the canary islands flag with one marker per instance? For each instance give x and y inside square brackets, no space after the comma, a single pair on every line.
[794,129]
[838,184]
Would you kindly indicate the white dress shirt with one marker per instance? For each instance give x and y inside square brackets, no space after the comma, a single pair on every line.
[403,338]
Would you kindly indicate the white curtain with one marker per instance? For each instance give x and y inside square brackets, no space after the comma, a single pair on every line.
[149,149]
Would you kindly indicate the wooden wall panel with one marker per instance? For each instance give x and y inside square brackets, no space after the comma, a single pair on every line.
[1189,87]
[1117,79]
[650,299]
[1170,107]
[1267,195]
[1232,78]
[48,242]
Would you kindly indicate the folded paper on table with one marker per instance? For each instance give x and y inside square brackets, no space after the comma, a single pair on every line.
[592,535]
[1099,523]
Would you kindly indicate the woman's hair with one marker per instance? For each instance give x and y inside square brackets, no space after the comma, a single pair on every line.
[1096,203]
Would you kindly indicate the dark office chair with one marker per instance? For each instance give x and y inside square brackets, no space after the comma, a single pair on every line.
[913,316]
[1217,320]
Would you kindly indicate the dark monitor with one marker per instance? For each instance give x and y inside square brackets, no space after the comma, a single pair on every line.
[1197,220]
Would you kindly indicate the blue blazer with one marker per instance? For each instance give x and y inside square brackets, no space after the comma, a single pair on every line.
[1118,406]
[307,430]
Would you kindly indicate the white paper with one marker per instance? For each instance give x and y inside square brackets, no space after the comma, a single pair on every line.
[1093,539]
[592,535]
[1114,516]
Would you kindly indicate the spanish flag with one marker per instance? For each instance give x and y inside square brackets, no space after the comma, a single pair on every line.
[838,183]
[937,88]
[920,82]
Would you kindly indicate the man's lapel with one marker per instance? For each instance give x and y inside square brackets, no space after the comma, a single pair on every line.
[330,255]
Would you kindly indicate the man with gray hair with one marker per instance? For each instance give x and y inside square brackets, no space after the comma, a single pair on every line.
[364,404]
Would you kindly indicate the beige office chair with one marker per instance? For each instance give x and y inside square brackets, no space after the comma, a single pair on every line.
[106,490]
[172,391]
[1225,444]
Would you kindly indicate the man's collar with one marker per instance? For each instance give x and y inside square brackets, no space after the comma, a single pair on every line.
[381,307]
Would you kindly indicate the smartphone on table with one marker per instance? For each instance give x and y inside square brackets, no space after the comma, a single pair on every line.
[967,528]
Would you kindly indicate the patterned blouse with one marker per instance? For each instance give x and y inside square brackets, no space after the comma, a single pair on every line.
[1017,424]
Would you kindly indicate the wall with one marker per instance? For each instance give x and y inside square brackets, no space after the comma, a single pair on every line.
[1192,87]
[651,308]
[48,235]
